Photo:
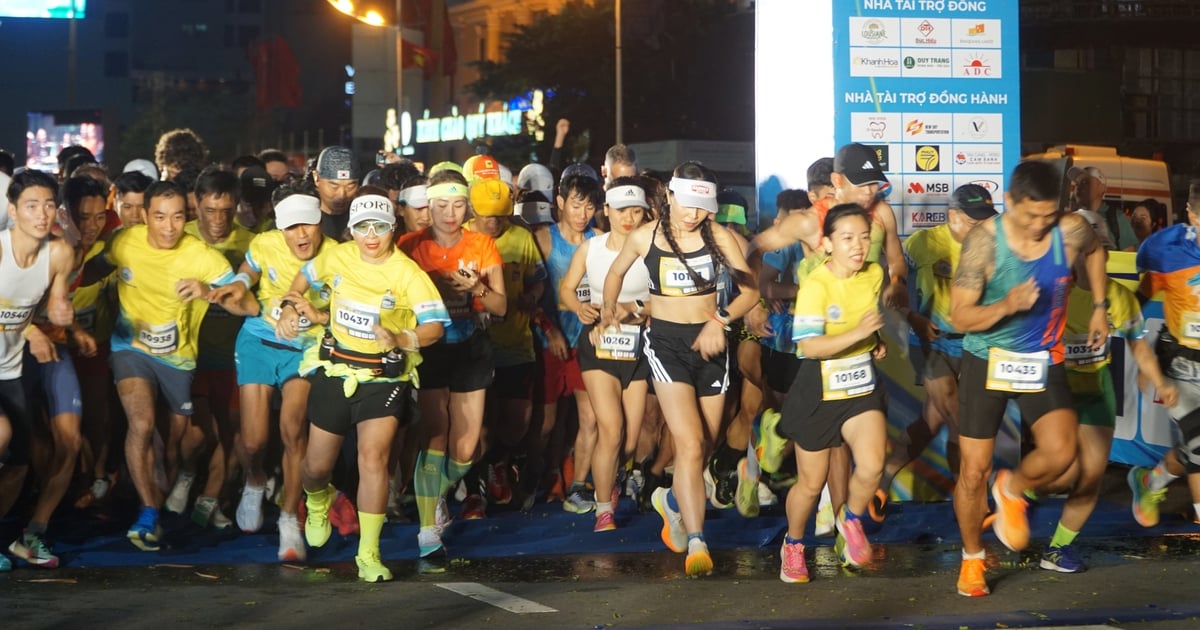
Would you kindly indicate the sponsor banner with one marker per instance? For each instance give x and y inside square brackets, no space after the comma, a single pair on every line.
[926,32]
[928,127]
[978,127]
[977,64]
[978,158]
[874,62]
[873,31]
[869,128]
[976,33]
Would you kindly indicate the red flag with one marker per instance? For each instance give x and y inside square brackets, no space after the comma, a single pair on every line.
[449,51]
[276,74]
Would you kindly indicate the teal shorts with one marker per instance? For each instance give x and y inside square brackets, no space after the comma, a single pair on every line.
[1095,397]
[264,362]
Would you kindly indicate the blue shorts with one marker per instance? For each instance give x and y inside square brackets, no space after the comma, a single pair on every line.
[54,383]
[263,362]
[174,383]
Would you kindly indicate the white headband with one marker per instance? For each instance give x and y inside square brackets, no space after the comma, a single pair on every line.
[414,196]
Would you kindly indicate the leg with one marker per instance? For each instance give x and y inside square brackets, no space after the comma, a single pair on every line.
[682,415]
[585,438]
[64,428]
[866,435]
[293,431]
[970,493]
[137,397]
[255,430]
[811,469]
[605,397]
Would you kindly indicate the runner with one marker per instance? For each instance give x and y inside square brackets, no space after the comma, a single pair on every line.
[1009,297]
[361,372]
[685,344]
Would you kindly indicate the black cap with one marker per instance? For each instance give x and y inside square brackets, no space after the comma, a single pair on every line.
[974,201]
[859,164]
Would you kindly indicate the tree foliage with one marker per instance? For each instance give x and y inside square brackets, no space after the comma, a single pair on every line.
[680,59]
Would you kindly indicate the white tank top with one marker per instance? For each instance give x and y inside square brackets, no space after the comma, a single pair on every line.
[20,292]
[600,258]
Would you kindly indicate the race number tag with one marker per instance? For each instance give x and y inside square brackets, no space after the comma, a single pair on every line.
[277,311]
[583,292]
[1079,353]
[675,279]
[850,377]
[619,343]
[1018,372]
[1191,325]
[358,320]
[14,316]
[162,339]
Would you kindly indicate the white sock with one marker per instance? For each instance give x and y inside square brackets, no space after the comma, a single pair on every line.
[981,555]
[602,507]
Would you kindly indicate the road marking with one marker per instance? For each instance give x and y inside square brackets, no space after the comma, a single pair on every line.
[499,599]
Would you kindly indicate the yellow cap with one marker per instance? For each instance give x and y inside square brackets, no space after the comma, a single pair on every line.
[491,198]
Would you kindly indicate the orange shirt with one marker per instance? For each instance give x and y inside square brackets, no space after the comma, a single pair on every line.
[474,250]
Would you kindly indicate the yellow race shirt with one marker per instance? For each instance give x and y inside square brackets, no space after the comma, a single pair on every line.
[828,305]
[152,319]
[277,267]
[219,330]
[932,255]
[512,339]
[397,294]
[94,303]
[1124,321]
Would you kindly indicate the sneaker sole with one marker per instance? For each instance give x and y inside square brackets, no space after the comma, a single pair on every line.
[567,507]
[292,554]
[1131,479]
[698,564]
[1050,566]
[665,534]
[140,542]
[999,526]
[783,577]
[984,593]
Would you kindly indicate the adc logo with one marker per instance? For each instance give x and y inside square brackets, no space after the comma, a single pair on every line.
[928,158]
[977,66]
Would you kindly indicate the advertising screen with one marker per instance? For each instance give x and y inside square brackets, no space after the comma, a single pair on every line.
[43,8]
[49,132]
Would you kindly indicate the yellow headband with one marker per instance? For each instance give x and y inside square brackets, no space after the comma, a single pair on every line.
[446,189]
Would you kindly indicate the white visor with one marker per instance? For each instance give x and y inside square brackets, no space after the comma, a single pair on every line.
[694,193]
[414,196]
[297,210]
[371,208]
[619,197]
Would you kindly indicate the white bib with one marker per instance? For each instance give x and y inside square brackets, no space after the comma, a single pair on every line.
[850,377]
[1018,372]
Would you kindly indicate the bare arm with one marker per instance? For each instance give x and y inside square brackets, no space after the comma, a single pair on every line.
[975,268]
[798,226]
[1079,235]
[637,244]
[566,289]
[62,260]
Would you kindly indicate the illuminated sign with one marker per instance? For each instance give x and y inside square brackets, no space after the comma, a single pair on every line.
[517,117]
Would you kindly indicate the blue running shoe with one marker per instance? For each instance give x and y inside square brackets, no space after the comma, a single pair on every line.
[5,564]
[1062,559]
[145,532]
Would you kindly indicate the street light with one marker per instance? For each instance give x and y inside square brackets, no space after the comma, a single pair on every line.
[368,16]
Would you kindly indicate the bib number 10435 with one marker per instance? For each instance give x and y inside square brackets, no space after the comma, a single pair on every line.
[1018,372]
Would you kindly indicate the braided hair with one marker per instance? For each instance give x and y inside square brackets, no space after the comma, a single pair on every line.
[696,170]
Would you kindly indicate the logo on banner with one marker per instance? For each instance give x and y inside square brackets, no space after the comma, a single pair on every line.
[926,218]
[990,185]
[918,127]
[874,32]
[928,188]
[925,28]
[881,155]
[978,29]
[977,66]
[928,158]
[876,128]
[978,158]
[978,127]
[914,127]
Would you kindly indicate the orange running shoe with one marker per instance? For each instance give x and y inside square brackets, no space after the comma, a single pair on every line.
[1011,525]
[971,582]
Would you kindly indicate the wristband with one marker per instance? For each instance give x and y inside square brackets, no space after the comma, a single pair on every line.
[1104,305]
[286,303]
[723,324]
[244,278]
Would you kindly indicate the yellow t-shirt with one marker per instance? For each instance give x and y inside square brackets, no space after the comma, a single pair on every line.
[270,257]
[397,295]
[152,319]
[94,303]
[1124,321]
[828,305]
[512,339]
[219,331]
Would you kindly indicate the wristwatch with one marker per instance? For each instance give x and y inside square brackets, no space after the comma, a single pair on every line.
[723,316]
[1104,305]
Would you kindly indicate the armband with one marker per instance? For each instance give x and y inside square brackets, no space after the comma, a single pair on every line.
[244,278]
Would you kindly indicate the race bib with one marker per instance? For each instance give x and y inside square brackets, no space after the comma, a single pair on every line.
[619,343]
[14,317]
[850,377]
[162,339]
[1078,353]
[583,292]
[1191,325]
[304,323]
[675,279]
[1018,372]
[358,320]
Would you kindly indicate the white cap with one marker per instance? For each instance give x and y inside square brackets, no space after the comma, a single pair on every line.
[372,208]
[297,210]
[145,167]
[624,196]
[694,193]
[537,177]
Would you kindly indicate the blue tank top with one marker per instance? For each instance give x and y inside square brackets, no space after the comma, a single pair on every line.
[1041,327]
[561,252]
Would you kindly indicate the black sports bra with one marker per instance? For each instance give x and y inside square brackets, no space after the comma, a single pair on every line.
[668,275]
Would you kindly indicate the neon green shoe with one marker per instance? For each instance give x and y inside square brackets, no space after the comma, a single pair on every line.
[771,447]
[371,569]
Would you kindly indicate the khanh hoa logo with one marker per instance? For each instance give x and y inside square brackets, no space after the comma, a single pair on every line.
[874,32]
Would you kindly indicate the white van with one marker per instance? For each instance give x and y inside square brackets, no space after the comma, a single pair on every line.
[1129,180]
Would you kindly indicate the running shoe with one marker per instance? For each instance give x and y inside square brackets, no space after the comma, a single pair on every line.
[433,557]
[5,564]
[971,582]
[766,496]
[1145,500]
[177,501]
[1011,525]
[673,534]
[499,484]
[474,508]
[316,520]
[634,484]
[249,509]
[825,523]
[793,569]
[370,567]
[343,515]
[653,482]
[746,497]
[723,486]
[206,511]
[145,532]
[578,503]
[857,550]
[710,488]
[772,447]
[291,541]
[698,562]
[33,549]
[604,522]
[1062,559]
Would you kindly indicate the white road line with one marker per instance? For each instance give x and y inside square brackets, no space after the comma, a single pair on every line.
[499,599]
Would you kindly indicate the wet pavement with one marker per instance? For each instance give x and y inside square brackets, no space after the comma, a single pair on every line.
[1137,579]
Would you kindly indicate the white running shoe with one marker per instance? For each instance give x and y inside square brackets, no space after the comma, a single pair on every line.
[249,509]
[291,541]
[177,501]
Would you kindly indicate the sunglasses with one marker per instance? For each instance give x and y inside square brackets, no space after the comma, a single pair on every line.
[365,228]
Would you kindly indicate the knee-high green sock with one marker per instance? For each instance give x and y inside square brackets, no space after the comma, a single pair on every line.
[369,528]
[456,470]
[427,481]
[1062,536]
